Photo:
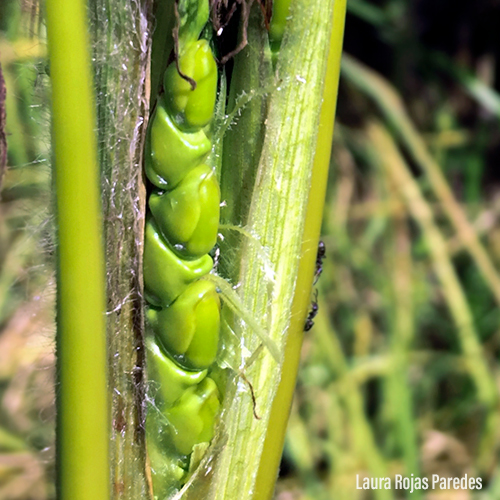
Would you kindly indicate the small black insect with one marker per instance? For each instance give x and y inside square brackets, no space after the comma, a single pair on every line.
[312,313]
[319,261]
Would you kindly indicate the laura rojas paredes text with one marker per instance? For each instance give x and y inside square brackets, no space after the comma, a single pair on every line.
[411,483]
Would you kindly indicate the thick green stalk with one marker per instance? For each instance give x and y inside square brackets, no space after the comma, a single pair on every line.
[82,393]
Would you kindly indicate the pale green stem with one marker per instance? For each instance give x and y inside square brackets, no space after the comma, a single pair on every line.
[82,392]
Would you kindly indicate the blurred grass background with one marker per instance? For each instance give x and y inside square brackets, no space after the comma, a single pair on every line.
[401,370]
[26,267]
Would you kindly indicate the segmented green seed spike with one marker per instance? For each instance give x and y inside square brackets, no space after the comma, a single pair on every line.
[184,312]
[184,308]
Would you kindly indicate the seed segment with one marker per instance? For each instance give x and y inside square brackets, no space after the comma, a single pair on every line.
[189,215]
[192,108]
[184,312]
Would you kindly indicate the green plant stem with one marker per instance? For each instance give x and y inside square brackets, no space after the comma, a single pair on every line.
[82,393]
